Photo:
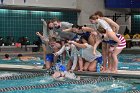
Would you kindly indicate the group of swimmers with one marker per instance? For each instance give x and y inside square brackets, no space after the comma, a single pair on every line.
[21,57]
[80,44]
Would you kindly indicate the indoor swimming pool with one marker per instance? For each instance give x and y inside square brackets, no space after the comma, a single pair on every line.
[45,84]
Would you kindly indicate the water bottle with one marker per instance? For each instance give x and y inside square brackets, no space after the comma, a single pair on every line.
[57,67]
[3,44]
[98,67]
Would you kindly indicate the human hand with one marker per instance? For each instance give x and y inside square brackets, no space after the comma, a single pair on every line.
[42,20]
[55,54]
[71,42]
[71,71]
[94,53]
[37,33]
[94,33]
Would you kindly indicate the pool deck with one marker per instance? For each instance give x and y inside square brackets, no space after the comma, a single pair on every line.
[27,68]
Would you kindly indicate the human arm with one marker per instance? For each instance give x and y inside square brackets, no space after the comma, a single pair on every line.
[44,39]
[77,44]
[44,22]
[98,41]
[67,30]
[87,29]
[74,63]
[44,52]
[60,51]
[66,25]
[114,25]
[113,36]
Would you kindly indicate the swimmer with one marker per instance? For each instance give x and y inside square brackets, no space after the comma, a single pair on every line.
[6,57]
[26,58]
[136,60]
[64,75]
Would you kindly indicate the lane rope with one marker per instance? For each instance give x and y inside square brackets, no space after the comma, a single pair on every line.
[55,84]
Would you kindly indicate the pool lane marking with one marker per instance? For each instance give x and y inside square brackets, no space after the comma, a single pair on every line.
[86,81]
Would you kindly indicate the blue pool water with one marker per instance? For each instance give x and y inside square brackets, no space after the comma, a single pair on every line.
[112,86]
[125,62]
[19,62]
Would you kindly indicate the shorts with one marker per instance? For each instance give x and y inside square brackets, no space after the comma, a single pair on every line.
[50,57]
[99,60]
[76,38]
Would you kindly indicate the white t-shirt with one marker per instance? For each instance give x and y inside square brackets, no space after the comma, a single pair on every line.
[74,54]
[104,24]
[87,53]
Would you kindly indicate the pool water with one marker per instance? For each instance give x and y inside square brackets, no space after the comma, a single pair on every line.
[19,62]
[112,86]
[125,62]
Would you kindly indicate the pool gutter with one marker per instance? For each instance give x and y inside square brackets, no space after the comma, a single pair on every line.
[26,68]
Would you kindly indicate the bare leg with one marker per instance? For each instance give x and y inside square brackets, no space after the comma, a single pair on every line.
[69,65]
[64,53]
[45,39]
[110,60]
[92,66]
[115,59]
[91,40]
[86,65]
[104,54]
[80,60]
[48,65]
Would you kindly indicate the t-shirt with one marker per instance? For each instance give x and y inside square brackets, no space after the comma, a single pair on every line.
[87,53]
[64,35]
[104,24]
[48,48]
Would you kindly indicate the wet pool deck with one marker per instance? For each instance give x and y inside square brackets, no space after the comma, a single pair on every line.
[27,68]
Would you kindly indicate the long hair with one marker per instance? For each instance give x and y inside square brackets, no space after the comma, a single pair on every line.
[48,22]
[93,17]
[101,29]
[99,13]
[77,26]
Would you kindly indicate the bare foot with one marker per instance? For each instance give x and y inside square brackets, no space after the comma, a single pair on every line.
[104,70]
[80,70]
[114,71]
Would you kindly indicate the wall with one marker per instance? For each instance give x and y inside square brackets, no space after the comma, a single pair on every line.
[43,3]
[136,23]
[121,20]
[19,23]
[88,7]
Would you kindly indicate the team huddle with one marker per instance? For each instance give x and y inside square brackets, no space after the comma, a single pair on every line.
[63,41]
